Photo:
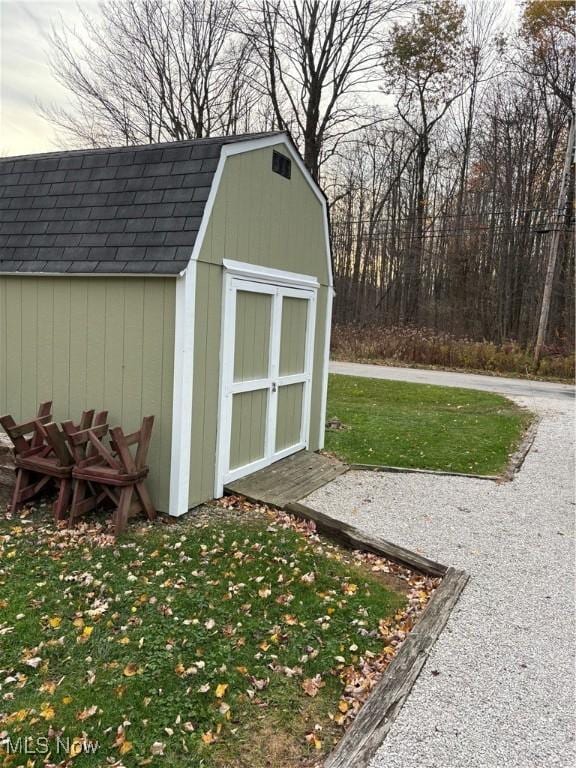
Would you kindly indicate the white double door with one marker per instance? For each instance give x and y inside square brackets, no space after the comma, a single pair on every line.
[268,351]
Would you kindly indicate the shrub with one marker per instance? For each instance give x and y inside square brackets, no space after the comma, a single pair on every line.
[422,346]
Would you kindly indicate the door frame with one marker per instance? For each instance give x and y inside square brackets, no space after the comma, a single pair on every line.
[264,280]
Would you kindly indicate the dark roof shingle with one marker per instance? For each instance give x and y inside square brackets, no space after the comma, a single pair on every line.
[130,210]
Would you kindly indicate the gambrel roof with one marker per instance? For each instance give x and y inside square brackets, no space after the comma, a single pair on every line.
[131,210]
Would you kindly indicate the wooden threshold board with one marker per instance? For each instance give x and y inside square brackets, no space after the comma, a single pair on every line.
[288,480]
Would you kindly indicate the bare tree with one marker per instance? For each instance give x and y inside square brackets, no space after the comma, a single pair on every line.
[318,58]
[548,35]
[153,70]
[424,69]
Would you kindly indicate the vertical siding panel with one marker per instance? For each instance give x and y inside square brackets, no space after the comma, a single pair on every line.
[96,344]
[29,314]
[3,346]
[114,350]
[217,227]
[132,354]
[61,349]
[45,339]
[14,349]
[28,348]
[78,348]
[151,370]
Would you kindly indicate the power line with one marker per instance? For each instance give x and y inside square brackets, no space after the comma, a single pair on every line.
[398,219]
[497,230]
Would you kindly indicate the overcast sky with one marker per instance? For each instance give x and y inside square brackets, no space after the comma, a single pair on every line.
[25,77]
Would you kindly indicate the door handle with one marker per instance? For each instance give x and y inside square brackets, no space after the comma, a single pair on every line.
[273,386]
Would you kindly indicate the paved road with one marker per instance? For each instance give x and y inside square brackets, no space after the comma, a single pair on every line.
[514,387]
[498,688]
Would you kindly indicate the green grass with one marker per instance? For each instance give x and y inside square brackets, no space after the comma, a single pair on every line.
[145,631]
[422,426]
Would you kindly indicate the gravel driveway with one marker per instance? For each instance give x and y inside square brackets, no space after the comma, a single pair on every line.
[498,689]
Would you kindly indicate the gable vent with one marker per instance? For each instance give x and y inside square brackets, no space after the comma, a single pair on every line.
[281,164]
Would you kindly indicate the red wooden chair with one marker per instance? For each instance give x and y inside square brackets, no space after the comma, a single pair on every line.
[28,441]
[85,496]
[113,473]
[41,458]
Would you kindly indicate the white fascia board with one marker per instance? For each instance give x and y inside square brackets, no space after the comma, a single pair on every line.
[91,274]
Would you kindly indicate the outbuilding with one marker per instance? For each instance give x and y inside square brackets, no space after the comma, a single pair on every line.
[189,280]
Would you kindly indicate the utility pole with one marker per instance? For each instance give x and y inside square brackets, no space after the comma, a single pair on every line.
[557,229]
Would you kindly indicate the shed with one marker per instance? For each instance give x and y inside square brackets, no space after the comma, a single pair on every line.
[189,280]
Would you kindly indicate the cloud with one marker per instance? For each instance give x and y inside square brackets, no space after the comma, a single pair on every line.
[25,76]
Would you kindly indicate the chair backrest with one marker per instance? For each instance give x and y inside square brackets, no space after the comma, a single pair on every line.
[121,444]
[82,437]
[55,438]
[26,436]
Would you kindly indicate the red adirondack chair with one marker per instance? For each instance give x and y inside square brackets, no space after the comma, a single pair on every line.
[42,458]
[113,473]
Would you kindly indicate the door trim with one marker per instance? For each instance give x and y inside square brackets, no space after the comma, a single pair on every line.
[269,279]
[269,275]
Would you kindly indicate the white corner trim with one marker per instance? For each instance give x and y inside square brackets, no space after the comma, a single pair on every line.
[249,146]
[227,331]
[269,274]
[327,333]
[182,391]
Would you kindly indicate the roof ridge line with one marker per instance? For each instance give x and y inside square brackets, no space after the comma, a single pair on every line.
[228,139]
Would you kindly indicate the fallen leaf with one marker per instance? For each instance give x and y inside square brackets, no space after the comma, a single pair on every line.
[311,685]
[130,670]
[47,711]
[86,713]
[125,747]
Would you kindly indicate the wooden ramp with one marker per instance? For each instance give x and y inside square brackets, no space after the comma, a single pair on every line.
[288,480]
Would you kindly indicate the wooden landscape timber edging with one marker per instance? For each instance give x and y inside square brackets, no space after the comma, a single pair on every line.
[517,458]
[374,720]
[442,473]
[352,537]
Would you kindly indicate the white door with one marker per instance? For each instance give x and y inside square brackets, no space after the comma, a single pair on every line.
[266,374]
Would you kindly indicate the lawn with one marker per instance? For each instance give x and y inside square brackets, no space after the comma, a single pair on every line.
[422,426]
[225,644]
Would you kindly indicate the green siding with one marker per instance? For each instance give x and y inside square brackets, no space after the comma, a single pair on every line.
[252,340]
[91,342]
[293,335]
[289,418]
[260,218]
[248,436]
